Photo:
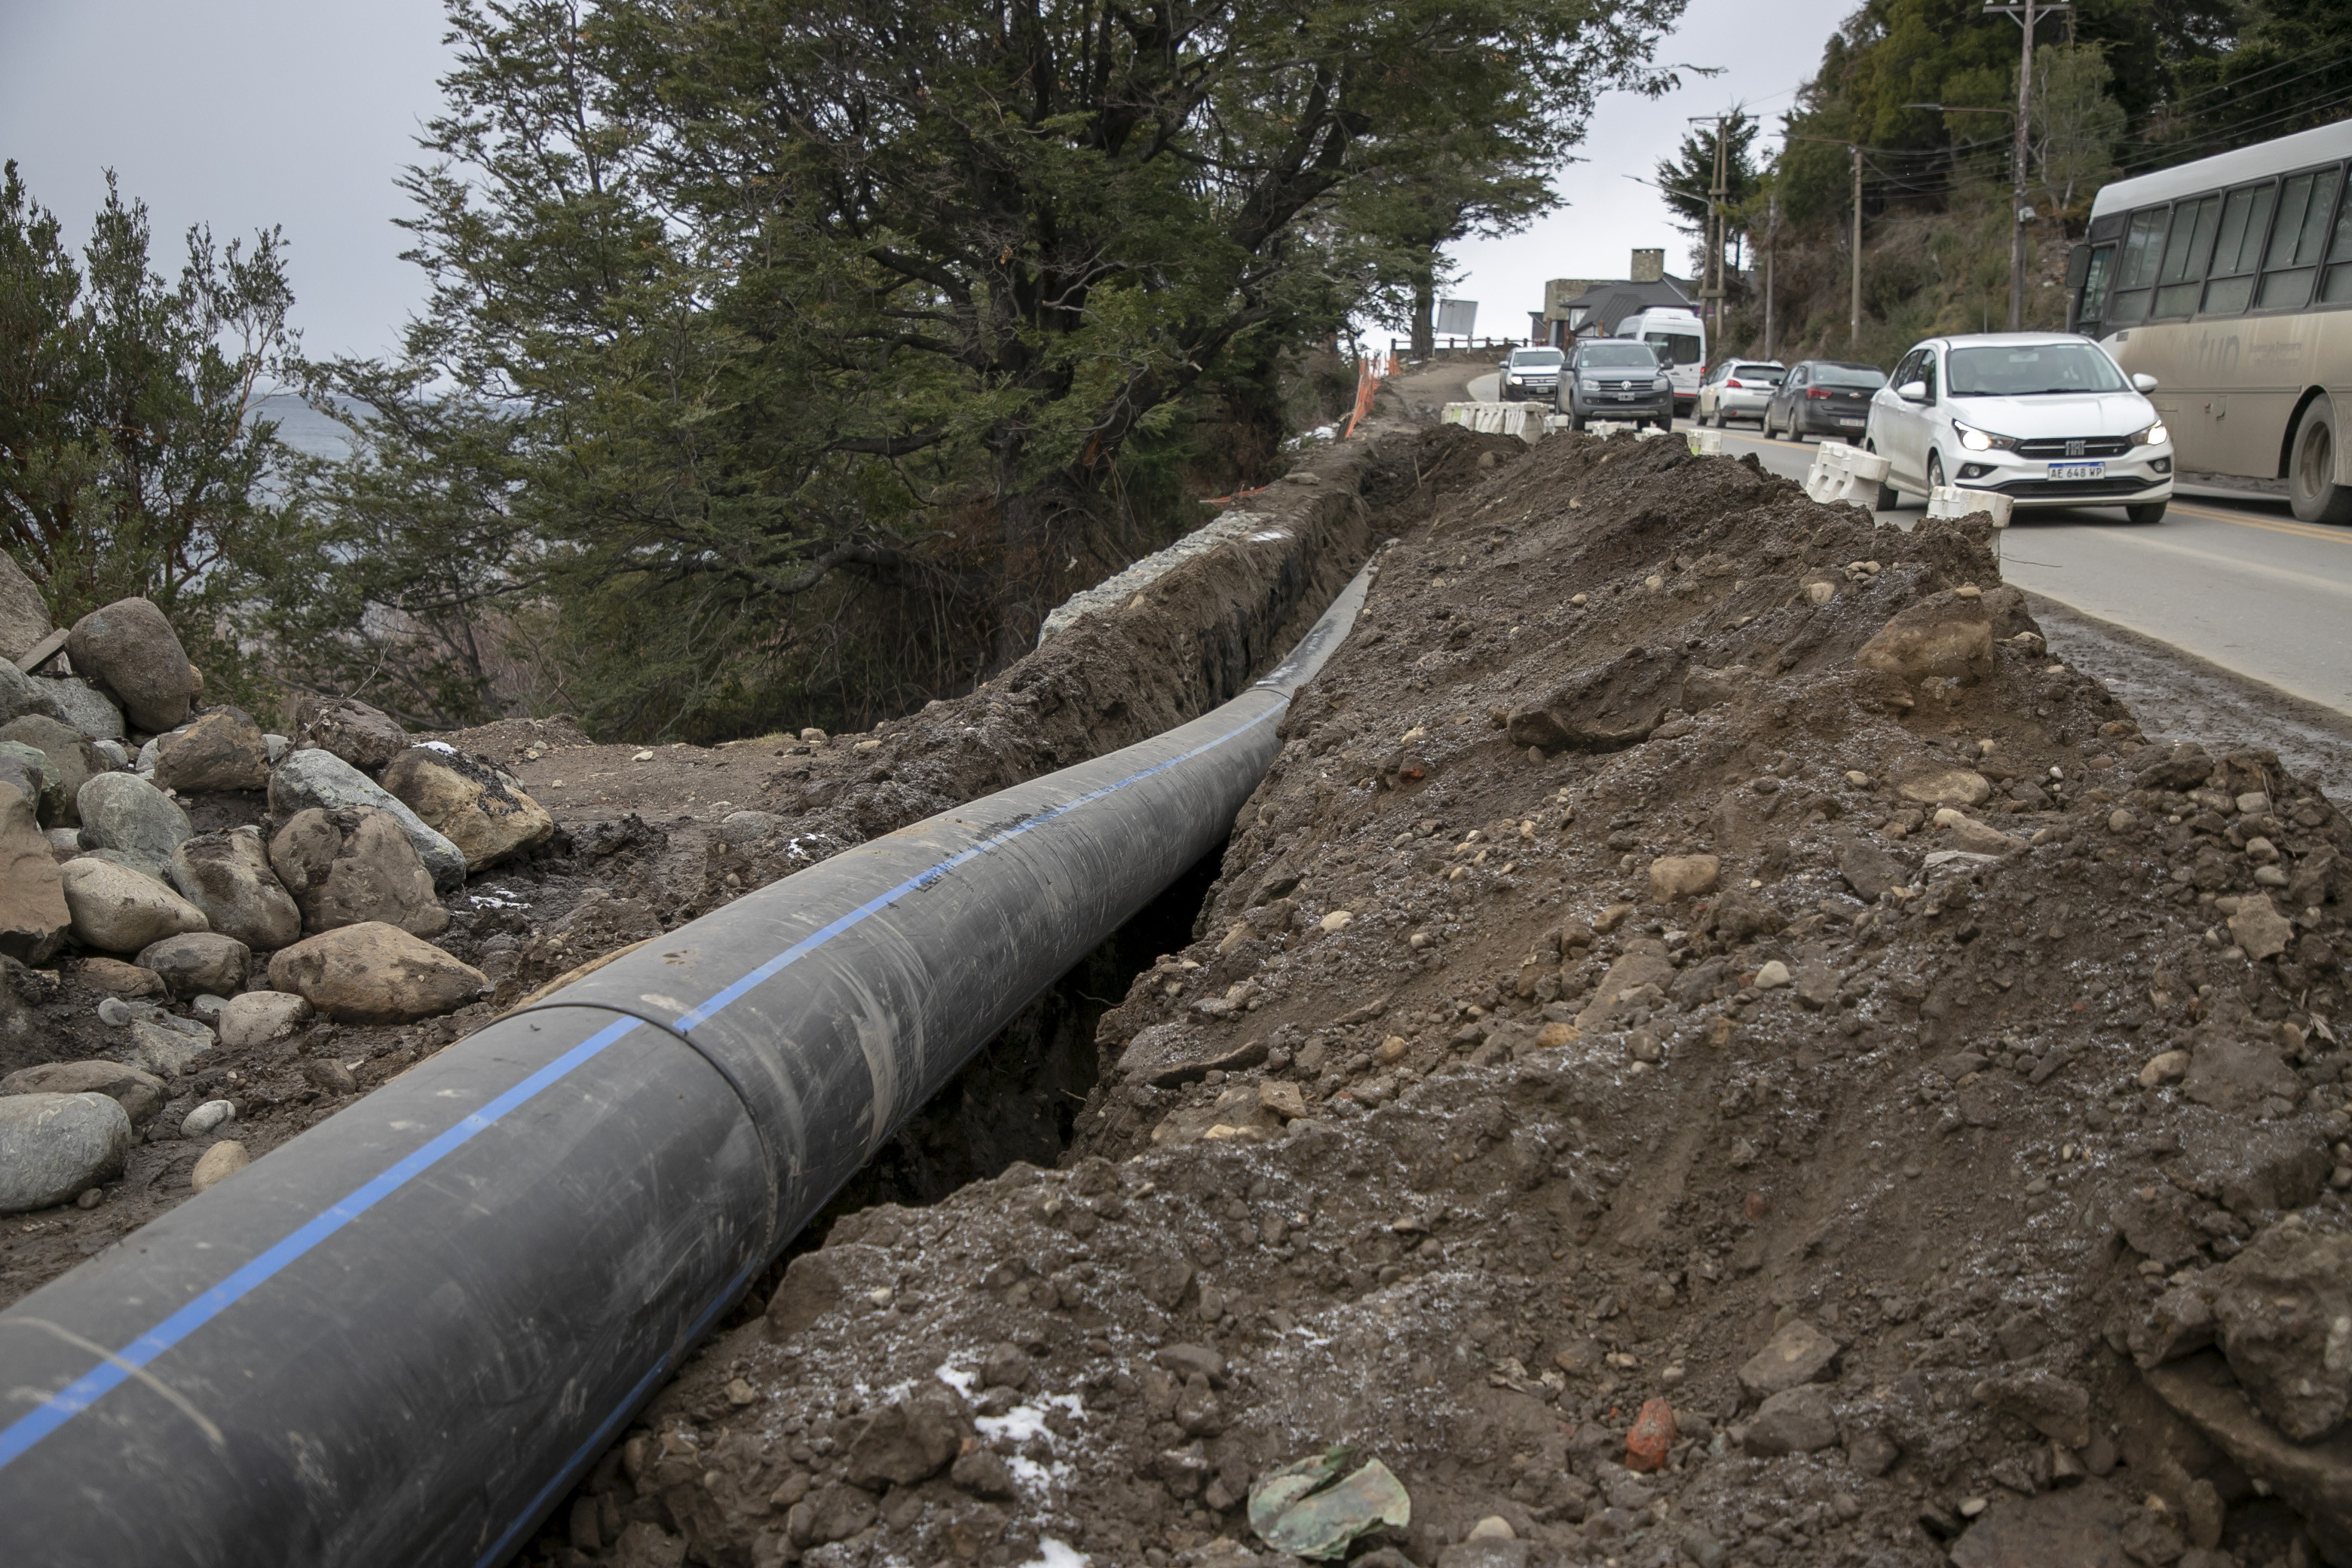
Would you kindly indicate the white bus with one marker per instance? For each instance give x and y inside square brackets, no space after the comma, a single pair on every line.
[1680,338]
[2229,280]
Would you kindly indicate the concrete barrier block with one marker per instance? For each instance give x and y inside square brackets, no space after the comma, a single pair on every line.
[1957,501]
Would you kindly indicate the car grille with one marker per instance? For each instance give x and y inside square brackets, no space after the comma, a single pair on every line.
[2074,447]
[1621,387]
[2041,489]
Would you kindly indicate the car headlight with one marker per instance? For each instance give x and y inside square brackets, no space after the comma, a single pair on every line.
[1662,385]
[2155,435]
[1977,440]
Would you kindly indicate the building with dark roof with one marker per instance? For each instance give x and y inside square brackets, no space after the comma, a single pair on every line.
[1591,307]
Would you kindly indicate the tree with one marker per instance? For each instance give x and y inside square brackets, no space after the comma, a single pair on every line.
[1688,177]
[2073,125]
[802,309]
[131,461]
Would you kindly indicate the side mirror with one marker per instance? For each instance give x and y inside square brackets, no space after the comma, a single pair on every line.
[1912,392]
[2143,381]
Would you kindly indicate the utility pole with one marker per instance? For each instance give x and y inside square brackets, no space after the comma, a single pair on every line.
[2026,14]
[1710,283]
[1854,314]
[1771,237]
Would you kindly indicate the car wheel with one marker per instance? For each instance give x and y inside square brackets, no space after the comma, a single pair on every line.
[1886,498]
[2146,512]
[2312,488]
[1935,472]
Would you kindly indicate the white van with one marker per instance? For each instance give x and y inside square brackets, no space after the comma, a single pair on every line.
[1680,338]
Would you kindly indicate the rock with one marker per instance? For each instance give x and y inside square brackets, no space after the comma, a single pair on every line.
[224,750]
[1966,833]
[53,1146]
[2055,1406]
[349,729]
[257,1017]
[2081,1526]
[1675,877]
[2316,1478]
[1006,1366]
[1645,963]
[165,1051]
[355,865]
[69,752]
[196,964]
[34,914]
[747,827]
[124,812]
[227,876]
[207,1117]
[1870,870]
[1605,706]
[1653,1436]
[134,653]
[20,694]
[116,909]
[319,779]
[2256,1171]
[902,1444]
[1285,1100]
[1740,916]
[484,811]
[374,974]
[83,706]
[1944,787]
[1484,1552]
[1799,1353]
[27,769]
[1817,984]
[218,1164]
[2186,766]
[2283,1318]
[140,1094]
[2165,1067]
[2229,1074]
[1800,1420]
[2260,929]
[1772,975]
[1946,635]
[23,614]
[117,978]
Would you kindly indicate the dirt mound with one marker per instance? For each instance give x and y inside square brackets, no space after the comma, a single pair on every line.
[1708,1046]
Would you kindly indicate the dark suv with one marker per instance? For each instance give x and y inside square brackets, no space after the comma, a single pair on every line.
[1616,378]
[1823,398]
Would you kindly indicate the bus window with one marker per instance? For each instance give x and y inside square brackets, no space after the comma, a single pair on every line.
[2091,315]
[2336,289]
[2136,267]
[2245,219]
[2295,248]
[1674,348]
[2184,256]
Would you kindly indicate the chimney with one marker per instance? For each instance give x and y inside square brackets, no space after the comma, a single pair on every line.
[1649,267]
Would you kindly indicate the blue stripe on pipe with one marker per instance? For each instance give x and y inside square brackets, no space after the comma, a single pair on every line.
[29,1430]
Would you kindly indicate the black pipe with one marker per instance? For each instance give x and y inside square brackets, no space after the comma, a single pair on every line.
[400,1337]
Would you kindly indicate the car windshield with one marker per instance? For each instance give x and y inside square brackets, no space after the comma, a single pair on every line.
[2031,371]
[1539,359]
[1849,376]
[1616,356]
[1769,374]
[1674,348]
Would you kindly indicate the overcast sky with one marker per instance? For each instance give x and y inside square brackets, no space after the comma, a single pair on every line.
[244,113]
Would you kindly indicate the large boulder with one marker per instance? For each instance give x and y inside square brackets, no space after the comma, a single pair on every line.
[34,918]
[24,616]
[354,865]
[30,769]
[83,706]
[20,694]
[2283,1316]
[124,812]
[198,964]
[227,876]
[134,653]
[69,752]
[1604,708]
[479,808]
[1945,635]
[55,1146]
[348,727]
[224,750]
[375,974]
[315,779]
[117,910]
[140,1094]
[257,1017]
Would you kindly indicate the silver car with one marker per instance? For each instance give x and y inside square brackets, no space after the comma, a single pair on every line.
[1530,375]
[1738,389]
[2046,418]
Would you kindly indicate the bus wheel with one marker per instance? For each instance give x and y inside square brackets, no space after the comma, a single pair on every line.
[2311,468]
[2147,512]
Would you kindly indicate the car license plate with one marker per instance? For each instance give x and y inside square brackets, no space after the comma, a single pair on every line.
[2078,470]
[1843,419]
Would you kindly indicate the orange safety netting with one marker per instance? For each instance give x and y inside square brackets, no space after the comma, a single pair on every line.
[1370,371]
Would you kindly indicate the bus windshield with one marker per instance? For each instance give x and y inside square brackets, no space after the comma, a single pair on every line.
[2031,371]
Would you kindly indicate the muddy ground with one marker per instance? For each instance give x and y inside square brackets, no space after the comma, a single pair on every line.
[1969,1192]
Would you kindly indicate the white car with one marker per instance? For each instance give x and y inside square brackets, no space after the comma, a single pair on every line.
[1530,375]
[1738,389]
[2046,418]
